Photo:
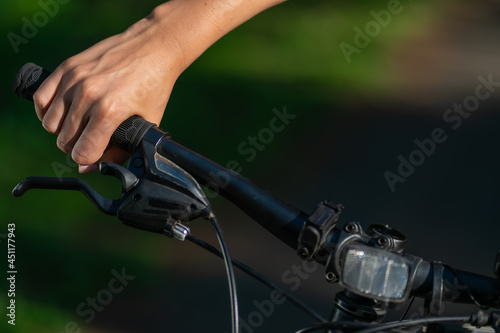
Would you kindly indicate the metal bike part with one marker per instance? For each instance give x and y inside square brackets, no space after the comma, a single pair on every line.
[177,230]
[316,229]
[434,303]
[387,237]
[352,307]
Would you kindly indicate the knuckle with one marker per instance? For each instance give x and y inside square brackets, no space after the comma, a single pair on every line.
[49,125]
[89,90]
[64,144]
[69,64]
[82,157]
[40,100]
[75,74]
[105,112]
[87,150]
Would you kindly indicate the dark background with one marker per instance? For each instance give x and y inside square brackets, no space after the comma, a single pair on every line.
[353,121]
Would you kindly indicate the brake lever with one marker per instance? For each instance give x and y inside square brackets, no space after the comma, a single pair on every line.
[104,204]
[157,195]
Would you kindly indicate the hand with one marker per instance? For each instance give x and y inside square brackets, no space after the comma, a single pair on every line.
[88,96]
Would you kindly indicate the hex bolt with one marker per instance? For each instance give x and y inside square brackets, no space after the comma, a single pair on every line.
[331,277]
[383,241]
[350,228]
[138,162]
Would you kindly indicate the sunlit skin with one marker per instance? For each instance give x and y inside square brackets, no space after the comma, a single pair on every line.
[132,73]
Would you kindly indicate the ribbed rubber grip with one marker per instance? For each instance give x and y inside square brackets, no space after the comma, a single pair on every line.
[127,136]
[28,80]
[130,133]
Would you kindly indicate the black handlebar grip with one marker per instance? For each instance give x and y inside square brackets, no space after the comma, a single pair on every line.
[28,80]
[127,136]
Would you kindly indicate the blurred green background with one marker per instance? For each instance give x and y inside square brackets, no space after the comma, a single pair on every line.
[353,121]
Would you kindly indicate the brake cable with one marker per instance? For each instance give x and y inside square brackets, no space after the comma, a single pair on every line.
[230,274]
[259,277]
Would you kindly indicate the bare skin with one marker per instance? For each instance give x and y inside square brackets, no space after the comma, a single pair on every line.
[90,94]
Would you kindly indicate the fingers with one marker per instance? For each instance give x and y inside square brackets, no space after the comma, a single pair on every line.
[54,97]
[92,142]
[46,93]
[88,168]
[115,155]
[72,127]
[112,154]
[82,118]
[90,94]
[71,105]
[54,115]
[96,134]
[72,122]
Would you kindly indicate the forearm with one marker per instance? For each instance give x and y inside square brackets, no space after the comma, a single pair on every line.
[194,25]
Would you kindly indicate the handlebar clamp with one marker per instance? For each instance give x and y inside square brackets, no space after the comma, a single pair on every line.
[317,227]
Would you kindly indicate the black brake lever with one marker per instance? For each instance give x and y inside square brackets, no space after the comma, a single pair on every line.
[157,195]
[104,204]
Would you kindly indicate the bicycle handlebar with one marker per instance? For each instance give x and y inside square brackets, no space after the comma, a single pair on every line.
[281,219]
[458,286]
